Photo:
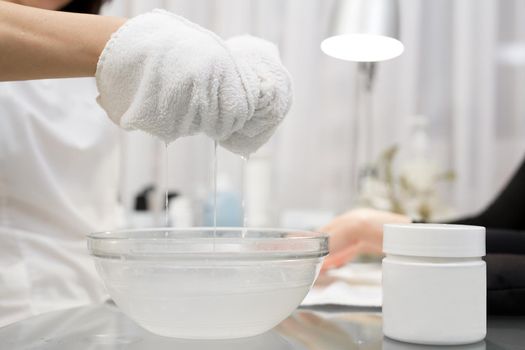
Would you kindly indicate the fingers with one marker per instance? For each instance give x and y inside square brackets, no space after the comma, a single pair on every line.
[335,260]
[341,238]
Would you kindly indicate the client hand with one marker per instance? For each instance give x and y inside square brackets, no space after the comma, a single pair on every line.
[357,232]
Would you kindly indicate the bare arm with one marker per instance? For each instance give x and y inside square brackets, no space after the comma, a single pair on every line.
[39,44]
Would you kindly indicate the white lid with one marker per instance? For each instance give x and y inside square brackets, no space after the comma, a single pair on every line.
[434,240]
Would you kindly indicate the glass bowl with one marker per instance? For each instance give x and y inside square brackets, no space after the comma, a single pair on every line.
[207,283]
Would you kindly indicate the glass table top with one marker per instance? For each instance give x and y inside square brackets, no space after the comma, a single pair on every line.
[321,328]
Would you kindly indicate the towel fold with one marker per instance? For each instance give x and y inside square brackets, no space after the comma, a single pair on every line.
[167,76]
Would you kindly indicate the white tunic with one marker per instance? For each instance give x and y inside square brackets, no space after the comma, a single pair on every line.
[58,182]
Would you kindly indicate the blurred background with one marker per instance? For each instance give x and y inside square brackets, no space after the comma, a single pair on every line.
[441,132]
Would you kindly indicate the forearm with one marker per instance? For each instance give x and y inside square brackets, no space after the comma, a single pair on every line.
[39,44]
[505,284]
[499,240]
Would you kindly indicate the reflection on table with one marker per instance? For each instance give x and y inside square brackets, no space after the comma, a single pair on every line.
[330,328]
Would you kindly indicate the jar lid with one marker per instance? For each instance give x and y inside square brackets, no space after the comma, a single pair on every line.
[434,240]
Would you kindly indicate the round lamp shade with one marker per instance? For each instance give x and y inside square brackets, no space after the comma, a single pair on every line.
[364,31]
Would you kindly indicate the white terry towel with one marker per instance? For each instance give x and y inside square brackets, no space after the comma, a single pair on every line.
[165,75]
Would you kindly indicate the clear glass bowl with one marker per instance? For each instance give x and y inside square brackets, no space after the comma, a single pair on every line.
[206,283]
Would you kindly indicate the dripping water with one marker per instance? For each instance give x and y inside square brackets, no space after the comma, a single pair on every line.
[215,186]
[166,200]
[214,179]
[243,195]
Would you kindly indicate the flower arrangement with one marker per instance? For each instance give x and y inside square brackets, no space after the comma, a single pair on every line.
[407,187]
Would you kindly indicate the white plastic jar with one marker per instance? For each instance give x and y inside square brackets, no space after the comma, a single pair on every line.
[434,284]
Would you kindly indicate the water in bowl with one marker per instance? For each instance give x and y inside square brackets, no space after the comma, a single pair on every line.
[215,316]
[218,301]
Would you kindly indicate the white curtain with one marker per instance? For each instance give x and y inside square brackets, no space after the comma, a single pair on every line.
[463,69]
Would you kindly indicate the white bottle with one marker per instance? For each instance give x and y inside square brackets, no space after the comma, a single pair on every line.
[434,284]
[181,212]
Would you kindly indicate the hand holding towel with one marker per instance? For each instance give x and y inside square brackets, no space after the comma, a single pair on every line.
[164,75]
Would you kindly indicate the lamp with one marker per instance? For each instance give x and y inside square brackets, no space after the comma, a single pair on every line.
[364,31]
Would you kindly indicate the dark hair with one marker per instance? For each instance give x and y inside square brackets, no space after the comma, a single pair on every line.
[84,6]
